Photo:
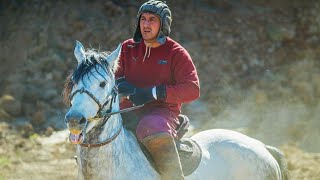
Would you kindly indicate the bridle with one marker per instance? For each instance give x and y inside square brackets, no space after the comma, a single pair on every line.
[102,113]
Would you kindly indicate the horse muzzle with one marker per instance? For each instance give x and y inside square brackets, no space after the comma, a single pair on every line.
[76,124]
[76,138]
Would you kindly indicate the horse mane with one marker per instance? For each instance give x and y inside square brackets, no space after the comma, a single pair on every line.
[94,58]
[68,85]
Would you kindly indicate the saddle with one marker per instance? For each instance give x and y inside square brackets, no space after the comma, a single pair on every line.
[190,155]
[189,151]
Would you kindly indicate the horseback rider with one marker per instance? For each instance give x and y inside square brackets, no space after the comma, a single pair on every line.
[157,72]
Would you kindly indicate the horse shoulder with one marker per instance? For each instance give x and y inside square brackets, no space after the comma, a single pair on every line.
[134,161]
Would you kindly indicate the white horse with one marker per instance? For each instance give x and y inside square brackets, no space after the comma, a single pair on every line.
[106,150]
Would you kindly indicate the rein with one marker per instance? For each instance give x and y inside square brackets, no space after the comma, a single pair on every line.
[124,110]
[106,117]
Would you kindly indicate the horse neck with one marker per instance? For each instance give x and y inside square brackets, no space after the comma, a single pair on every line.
[115,159]
[120,159]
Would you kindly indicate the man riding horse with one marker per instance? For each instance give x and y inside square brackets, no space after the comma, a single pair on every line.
[157,72]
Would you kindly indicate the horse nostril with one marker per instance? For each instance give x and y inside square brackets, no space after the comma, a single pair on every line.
[74,119]
[82,120]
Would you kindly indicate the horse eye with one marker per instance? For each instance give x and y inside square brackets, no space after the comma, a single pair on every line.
[103,84]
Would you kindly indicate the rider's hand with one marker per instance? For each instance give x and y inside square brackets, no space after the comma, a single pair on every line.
[124,88]
[146,95]
[142,96]
[139,96]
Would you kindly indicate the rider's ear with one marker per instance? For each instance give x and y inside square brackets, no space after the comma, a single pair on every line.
[79,52]
[113,57]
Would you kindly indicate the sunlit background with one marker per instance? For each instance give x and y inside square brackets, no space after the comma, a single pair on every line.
[258,63]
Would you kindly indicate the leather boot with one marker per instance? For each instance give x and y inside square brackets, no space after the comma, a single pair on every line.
[163,150]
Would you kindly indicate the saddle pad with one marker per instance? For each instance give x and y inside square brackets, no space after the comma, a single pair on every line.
[190,155]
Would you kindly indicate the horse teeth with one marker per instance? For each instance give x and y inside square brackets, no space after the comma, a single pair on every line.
[75,138]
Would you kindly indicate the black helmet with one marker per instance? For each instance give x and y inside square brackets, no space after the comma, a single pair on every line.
[162,10]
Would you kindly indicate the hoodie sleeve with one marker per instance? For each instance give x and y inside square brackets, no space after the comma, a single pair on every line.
[186,87]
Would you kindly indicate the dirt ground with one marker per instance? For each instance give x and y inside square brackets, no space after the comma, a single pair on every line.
[51,157]
[258,64]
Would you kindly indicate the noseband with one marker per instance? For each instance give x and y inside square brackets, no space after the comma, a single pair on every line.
[101,106]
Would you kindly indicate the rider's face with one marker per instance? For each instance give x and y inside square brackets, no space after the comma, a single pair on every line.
[149,26]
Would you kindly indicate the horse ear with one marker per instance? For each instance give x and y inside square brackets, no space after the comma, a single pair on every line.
[114,57]
[79,52]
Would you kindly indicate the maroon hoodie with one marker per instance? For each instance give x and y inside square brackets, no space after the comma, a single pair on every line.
[169,64]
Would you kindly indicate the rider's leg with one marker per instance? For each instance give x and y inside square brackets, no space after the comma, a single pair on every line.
[163,150]
[156,130]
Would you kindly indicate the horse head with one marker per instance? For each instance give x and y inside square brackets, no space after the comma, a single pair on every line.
[90,90]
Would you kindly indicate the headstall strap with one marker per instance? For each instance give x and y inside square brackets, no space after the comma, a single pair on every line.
[103,142]
[99,113]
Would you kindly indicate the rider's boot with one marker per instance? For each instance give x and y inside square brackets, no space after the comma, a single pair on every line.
[163,150]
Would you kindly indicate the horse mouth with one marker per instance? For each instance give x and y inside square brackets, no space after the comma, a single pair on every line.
[76,138]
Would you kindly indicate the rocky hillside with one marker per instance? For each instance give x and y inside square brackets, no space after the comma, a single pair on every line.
[257,61]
